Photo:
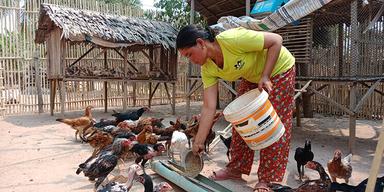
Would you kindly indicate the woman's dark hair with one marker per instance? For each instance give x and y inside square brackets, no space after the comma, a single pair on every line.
[187,36]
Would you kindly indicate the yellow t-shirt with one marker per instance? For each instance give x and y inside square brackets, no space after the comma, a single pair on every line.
[244,57]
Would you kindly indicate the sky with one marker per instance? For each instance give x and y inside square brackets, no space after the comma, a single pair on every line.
[147,4]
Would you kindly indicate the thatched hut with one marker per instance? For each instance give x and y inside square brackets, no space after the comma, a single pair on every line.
[62,27]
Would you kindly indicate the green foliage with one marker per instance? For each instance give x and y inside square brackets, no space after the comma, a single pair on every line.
[134,3]
[176,12]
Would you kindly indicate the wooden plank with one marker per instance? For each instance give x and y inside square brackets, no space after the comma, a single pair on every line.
[331,101]
[228,87]
[304,88]
[365,97]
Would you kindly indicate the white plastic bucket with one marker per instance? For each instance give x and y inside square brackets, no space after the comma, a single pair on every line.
[255,119]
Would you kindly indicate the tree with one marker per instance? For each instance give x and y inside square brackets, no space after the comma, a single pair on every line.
[133,3]
[176,12]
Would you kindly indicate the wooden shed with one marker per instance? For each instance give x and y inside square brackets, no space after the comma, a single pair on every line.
[103,34]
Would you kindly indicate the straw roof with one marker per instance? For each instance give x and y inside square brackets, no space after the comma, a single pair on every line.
[81,25]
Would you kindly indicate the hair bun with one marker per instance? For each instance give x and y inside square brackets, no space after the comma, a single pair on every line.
[211,34]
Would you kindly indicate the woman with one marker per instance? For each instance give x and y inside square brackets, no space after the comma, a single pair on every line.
[260,60]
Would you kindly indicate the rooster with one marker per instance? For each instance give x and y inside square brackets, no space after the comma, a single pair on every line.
[129,115]
[302,156]
[80,124]
[340,168]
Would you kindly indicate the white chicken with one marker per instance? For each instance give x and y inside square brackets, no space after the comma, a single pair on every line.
[178,142]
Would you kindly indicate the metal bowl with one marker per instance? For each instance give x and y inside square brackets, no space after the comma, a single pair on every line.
[193,164]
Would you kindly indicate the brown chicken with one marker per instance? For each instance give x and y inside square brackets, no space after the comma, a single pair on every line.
[340,168]
[142,136]
[193,127]
[166,133]
[80,124]
[98,141]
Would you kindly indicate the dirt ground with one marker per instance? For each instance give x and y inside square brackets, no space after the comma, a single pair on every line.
[39,154]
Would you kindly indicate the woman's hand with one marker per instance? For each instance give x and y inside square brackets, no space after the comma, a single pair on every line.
[265,82]
[197,146]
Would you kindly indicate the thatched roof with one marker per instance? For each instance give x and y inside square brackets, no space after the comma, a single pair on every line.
[81,25]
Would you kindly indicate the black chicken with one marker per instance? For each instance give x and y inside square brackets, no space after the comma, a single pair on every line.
[302,156]
[144,152]
[379,186]
[126,135]
[227,143]
[146,180]
[129,115]
[104,122]
[115,148]
[101,168]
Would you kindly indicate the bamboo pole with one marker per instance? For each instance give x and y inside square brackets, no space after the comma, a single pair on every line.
[376,163]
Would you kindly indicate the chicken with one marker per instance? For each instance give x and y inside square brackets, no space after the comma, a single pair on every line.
[178,142]
[98,141]
[379,186]
[104,122]
[102,165]
[318,185]
[145,152]
[302,156]
[115,148]
[142,136]
[122,187]
[146,180]
[80,124]
[191,131]
[130,115]
[127,135]
[227,143]
[340,168]
[166,134]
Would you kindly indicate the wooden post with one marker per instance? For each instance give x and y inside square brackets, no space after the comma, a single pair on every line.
[341,45]
[234,88]
[36,63]
[125,94]
[52,94]
[188,96]
[134,93]
[298,113]
[304,70]
[353,72]
[247,7]
[192,13]
[173,98]
[150,92]
[105,85]
[62,96]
